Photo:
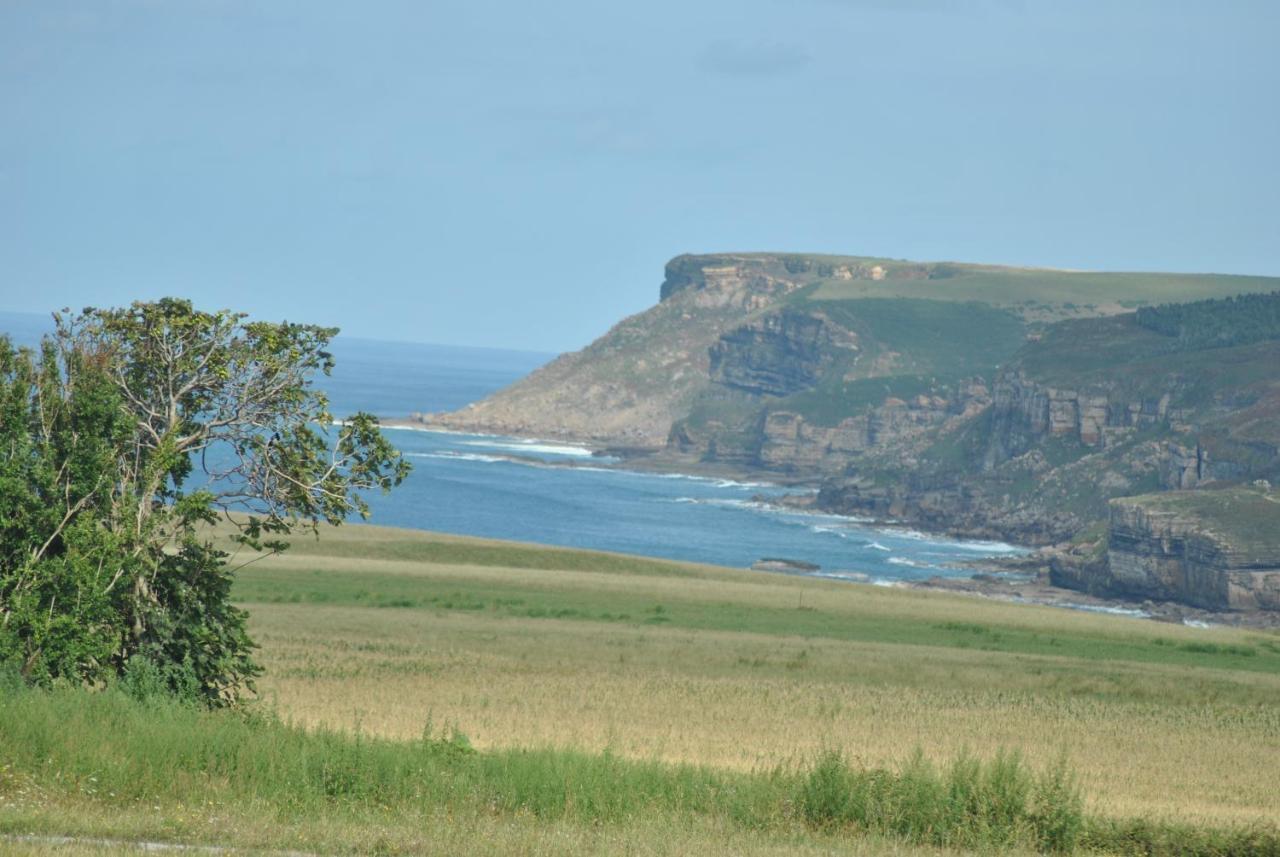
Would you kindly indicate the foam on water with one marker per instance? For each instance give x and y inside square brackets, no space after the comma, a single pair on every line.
[975,546]
[1102,608]
[534,446]
[987,547]
[459,456]
[557,492]
[398,427]
[709,480]
[850,576]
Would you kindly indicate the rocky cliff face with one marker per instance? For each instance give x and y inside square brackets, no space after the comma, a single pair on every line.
[791,444]
[1041,463]
[629,386]
[780,353]
[724,322]
[1026,411]
[1202,547]
[783,441]
[747,281]
[949,503]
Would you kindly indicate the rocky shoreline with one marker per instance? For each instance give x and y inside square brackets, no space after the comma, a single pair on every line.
[1022,579]
[1039,591]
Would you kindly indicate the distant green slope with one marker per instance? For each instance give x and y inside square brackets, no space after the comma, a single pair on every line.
[827,277]
[1022,286]
[919,329]
[930,343]
[1178,397]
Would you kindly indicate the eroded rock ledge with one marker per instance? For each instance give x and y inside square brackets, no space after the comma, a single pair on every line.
[1213,549]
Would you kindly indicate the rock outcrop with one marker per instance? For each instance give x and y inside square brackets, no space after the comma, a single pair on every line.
[790,443]
[1025,412]
[780,353]
[1205,548]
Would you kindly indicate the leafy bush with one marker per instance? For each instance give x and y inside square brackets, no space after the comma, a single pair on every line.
[969,803]
[102,555]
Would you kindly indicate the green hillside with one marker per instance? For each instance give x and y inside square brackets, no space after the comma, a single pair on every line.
[828,277]
[1029,286]
[1174,397]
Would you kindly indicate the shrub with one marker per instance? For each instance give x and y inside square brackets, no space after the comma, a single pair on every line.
[970,803]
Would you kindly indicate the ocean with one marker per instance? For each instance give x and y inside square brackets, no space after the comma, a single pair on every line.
[560,494]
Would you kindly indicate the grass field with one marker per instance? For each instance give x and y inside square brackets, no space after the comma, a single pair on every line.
[744,678]
[1020,286]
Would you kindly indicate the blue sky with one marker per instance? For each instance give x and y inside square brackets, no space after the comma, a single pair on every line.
[516,174]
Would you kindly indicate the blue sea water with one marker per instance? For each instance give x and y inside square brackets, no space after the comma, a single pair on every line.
[559,494]
[555,493]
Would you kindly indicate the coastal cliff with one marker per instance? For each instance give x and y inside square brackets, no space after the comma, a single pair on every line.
[1216,549]
[976,400]
[738,323]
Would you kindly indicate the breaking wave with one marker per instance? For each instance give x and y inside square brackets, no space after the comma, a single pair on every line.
[533,446]
[1102,608]
[458,456]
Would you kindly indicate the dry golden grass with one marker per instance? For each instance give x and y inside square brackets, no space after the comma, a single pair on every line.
[1166,740]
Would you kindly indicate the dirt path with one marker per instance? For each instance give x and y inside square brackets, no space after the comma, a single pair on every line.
[142,846]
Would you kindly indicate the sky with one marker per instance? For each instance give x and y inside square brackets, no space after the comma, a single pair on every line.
[516,174]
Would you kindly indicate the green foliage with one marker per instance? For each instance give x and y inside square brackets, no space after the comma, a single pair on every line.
[147,680]
[59,426]
[140,746]
[103,567]
[1239,320]
[1141,837]
[908,348]
[968,803]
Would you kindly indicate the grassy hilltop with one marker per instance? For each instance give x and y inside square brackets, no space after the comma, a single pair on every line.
[515,698]
[1046,292]
[653,370]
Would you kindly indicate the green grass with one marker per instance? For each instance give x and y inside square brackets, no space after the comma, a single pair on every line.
[109,748]
[621,705]
[106,749]
[461,551]
[1248,518]
[906,348]
[999,285]
[1084,353]
[1019,286]
[932,337]
[549,599]
[835,398]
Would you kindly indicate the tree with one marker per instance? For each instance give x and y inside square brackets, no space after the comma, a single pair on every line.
[121,441]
